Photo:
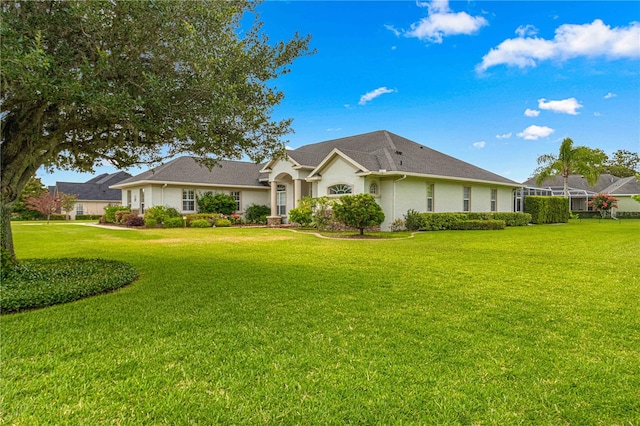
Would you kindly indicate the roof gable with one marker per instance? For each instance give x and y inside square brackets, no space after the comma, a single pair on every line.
[95,189]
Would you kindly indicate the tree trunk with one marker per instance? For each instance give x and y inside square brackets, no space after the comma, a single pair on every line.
[361,231]
[6,238]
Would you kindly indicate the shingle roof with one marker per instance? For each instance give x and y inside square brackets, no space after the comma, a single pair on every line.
[188,170]
[388,151]
[95,189]
[608,184]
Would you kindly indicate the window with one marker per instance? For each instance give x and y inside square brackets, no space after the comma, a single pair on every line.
[79,209]
[340,189]
[281,200]
[188,200]
[494,200]
[466,199]
[373,188]
[129,198]
[236,196]
[429,197]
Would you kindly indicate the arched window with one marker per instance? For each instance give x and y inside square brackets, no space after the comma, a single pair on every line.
[340,189]
[373,188]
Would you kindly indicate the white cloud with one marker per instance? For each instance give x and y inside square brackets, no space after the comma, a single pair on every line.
[610,95]
[531,112]
[368,97]
[334,129]
[441,22]
[597,114]
[479,145]
[526,30]
[566,106]
[504,136]
[393,30]
[570,41]
[534,132]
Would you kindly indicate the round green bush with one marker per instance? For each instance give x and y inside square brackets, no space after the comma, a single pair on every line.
[38,283]
[223,223]
[200,223]
[150,222]
[173,222]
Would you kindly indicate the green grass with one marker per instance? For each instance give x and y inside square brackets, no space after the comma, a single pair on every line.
[530,325]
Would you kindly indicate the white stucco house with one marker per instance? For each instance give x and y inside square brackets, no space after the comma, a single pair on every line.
[400,173]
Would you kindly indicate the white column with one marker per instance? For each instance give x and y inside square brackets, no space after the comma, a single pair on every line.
[297,192]
[274,191]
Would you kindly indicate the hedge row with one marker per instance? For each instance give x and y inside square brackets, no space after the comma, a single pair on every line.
[88,216]
[547,209]
[415,221]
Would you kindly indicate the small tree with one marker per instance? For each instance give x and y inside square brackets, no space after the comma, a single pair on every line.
[216,203]
[33,188]
[603,203]
[68,202]
[358,211]
[46,203]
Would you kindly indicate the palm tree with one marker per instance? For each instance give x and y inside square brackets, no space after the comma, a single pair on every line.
[571,160]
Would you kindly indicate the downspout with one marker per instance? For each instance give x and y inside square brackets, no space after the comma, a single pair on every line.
[163,187]
[394,195]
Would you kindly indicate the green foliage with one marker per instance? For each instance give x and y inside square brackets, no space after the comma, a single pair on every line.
[38,283]
[150,222]
[216,203]
[571,160]
[398,225]
[415,220]
[133,81]
[160,213]
[7,263]
[223,223]
[358,211]
[547,209]
[173,222]
[211,217]
[257,213]
[110,212]
[67,202]
[623,164]
[88,216]
[303,216]
[33,188]
[200,223]
[479,224]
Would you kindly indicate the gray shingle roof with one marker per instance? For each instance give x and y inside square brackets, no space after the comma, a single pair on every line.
[95,189]
[388,151]
[188,170]
[608,184]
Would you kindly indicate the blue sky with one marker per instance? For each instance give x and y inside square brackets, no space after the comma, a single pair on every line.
[493,83]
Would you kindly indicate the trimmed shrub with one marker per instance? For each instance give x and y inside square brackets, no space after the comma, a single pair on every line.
[216,203]
[135,221]
[37,283]
[88,217]
[200,223]
[173,222]
[123,216]
[150,222]
[513,219]
[303,216]
[479,224]
[110,212]
[211,217]
[160,213]
[223,223]
[415,221]
[257,213]
[547,209]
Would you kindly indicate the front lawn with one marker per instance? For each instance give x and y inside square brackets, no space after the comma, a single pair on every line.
[529,325]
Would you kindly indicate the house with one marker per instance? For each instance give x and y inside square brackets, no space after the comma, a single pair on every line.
[93,195]
[400,173]
[580,191]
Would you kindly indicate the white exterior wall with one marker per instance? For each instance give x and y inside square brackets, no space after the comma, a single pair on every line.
[171,196]
[627,204]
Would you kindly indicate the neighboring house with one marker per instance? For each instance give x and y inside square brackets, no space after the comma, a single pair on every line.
[93,195]
[400,173]
[580,191]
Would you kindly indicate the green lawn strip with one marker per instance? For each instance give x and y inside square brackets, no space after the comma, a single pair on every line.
[525,325]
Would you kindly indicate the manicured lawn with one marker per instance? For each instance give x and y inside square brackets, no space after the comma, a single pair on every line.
[530,325]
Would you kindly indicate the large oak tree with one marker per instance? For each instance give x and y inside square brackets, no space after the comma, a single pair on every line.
[131,82]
